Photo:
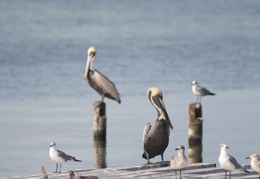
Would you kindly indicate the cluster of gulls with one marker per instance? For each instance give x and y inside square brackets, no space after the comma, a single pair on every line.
[156,136]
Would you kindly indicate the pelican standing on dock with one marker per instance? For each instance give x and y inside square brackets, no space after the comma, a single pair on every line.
[98,81]
[156,136]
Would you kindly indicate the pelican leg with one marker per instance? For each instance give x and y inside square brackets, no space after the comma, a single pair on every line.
[180,172]
[147,156]
[162,160]
[102,98]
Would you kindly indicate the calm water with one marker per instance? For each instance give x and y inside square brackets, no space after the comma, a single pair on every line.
[44,97]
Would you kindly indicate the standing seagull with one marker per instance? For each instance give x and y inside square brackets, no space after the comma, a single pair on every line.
[255,162]
[156,136]
[227,162]
[98,81]
[200,91]
[59,156]
[179,161]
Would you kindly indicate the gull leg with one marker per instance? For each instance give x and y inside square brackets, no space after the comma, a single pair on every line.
[56,168]
[60,168]
[198,99]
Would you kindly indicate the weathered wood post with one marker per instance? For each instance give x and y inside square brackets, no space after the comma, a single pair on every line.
[100,125]
[100,120]
[100,153]
[195,127]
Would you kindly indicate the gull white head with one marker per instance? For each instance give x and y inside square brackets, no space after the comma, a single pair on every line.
[254,157]
[194,83]
[53,144]
[223,146]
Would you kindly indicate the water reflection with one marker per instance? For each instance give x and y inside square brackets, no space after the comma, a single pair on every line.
[195,131]
[100,152]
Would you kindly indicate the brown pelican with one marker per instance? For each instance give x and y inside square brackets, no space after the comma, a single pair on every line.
[98,81]
[156,136]
[200,91]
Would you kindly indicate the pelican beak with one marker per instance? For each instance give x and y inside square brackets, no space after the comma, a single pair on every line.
[87,68]
[248,158]
[177,149]
[158,100]
[90,59]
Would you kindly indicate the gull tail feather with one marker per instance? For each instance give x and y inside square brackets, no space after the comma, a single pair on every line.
[76,160]
[244,170]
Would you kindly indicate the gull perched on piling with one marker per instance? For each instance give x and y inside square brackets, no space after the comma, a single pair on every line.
[255,162]
[228,162]
[179,161]
[200,91]
[59,157]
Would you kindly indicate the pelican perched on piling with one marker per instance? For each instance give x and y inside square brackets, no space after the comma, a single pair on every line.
[98,81]
[156,136]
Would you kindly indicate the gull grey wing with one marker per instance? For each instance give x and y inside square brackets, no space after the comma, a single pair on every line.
[234,161]
[203,90]
[64,156]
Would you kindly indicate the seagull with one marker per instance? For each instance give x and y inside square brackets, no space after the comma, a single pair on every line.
[255,162]
[227,162]
[59,157]
[200,91]
[179,161]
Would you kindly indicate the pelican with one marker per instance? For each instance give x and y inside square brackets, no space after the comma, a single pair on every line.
[156,136]
[98,81]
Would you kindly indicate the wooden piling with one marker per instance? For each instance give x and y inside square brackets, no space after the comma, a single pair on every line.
[100,120]
[195,130]
[99,153]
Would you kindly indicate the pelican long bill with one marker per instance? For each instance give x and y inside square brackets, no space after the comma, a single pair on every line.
[158,101]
